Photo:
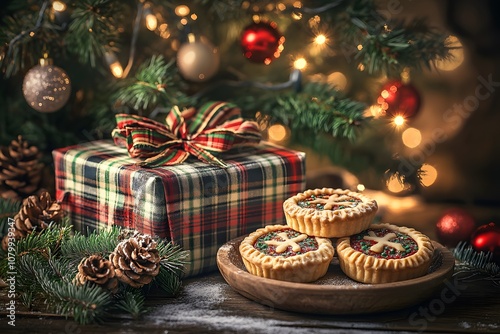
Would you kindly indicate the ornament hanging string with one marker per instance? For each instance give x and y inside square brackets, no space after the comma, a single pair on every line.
[215,127]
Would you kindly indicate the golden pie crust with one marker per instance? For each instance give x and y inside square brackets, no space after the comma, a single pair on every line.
[305,267]
[334,223]
[369,269]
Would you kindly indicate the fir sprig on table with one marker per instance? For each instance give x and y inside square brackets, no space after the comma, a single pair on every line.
[46,264]
[476,263]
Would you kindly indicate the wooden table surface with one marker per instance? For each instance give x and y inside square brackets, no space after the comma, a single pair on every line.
[207,304]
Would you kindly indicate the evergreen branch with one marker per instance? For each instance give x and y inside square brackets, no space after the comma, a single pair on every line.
[319,108]
[132,301]
[85,303]
[156,83]
[480,262]
[93,30]
[8,209]
[27,36]
[390,50]
[173,258]
[81,246]
[167,280]
[45,242]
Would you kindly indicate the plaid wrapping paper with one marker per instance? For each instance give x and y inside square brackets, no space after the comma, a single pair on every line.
[195,205]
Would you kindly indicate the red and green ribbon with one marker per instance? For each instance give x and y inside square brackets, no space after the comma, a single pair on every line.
[215,127]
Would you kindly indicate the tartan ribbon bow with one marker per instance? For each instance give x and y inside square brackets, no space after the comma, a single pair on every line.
[215,127]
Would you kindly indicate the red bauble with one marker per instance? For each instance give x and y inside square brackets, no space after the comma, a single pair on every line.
[261,42]
[399,99]
[453,226]
[487,239]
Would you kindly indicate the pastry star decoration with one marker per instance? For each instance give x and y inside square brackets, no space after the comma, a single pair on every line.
[334,200]
[383,241]
[281,246]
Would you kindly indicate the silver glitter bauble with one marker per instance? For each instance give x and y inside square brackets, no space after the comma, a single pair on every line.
[46,87]
[198,60]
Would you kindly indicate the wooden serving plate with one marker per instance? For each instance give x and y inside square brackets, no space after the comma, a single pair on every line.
[335,293]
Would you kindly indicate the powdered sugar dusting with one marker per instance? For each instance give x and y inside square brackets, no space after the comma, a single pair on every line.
[201,305]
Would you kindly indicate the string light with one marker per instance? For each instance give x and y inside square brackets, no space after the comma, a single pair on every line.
[278,133]
[320,39]
[375,111]
[411,137]
[182,10]
[399,120]
[114,65]
[429,175]
[150,19]
[338,80]
[456,55]
[300,64]
[59,6]
[394,186]
[360,187]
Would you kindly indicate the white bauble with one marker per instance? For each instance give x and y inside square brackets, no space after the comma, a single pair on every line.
[198,60]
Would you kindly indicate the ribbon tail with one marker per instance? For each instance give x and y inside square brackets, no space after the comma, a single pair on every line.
[168,157]
[205,155]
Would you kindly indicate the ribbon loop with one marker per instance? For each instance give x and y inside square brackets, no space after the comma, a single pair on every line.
[215,127]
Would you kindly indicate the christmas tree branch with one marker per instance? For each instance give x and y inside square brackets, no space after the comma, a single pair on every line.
[156,83]
[318,108]
[93,30]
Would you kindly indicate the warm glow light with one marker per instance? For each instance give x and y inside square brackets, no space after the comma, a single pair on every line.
[338,80]
[277,133]
[151,22]
[116,69]
[320,39]
[375,111]
[114,65]
[297,4]
[399,120]
[456,55]
[296,16]
[194,17]
[360,187]
[429,175]
[184,21]
[394,186]
[384,94]
[361,67]
[59,6]
[360,47]
[411,137]
[182,10]
[281,6]
[300,64]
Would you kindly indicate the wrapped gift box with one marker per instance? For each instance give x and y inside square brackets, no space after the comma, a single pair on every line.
[196,205]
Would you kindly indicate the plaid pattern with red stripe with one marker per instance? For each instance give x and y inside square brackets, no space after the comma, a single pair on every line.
[198,206]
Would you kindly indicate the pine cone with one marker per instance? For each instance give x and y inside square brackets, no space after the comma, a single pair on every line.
[98,270]
[5,241]
[20,170]
[136,260]
[37,213]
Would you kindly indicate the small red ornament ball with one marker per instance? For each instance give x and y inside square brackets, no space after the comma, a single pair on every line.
[453,226]
[261,42]
[399,99]
[486,238]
